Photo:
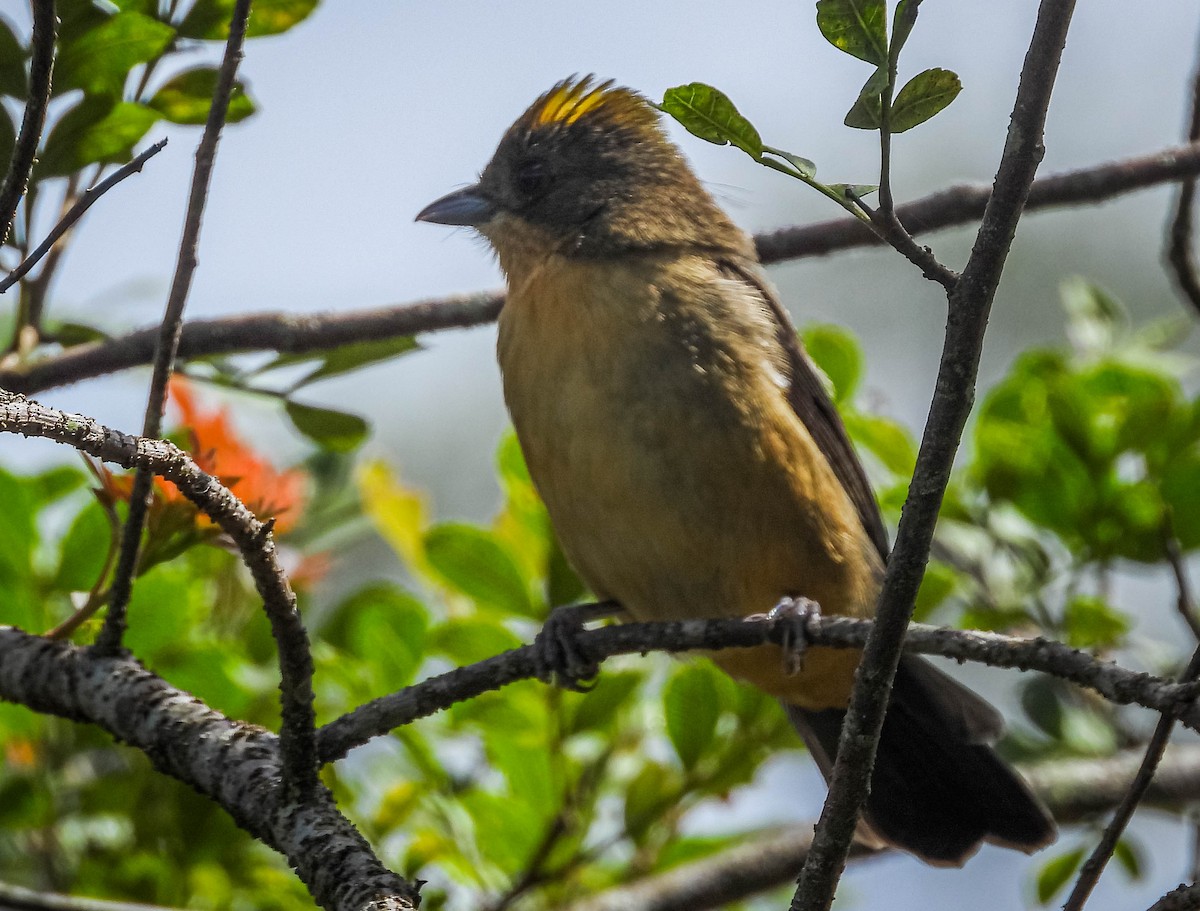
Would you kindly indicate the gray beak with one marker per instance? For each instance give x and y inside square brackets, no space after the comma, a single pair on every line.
[462,207]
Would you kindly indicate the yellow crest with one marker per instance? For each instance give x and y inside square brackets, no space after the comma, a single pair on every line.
[573,99]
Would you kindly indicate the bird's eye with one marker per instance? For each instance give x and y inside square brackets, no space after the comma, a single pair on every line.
[531,177]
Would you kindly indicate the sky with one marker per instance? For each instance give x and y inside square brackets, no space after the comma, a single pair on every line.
[370,111]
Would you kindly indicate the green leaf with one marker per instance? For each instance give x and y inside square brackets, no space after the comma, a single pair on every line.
[1055,873]
[855,27]
[12,67]
[57,482]
[209,19]
[1128,853]
[922,97]
[75,17]
[1090,622]
[852,191]
[188,97]
[866,114]
[938,584]
[474,563]
[18,531]
[387,627]
[360,354]
[466,641]
[887,440]
[1095,319]
[838,355]
[597,709]
[99,60]
[651,791]
[95,130]
[903,21]
[84,550]
[691,706]
[708,113]
[526,767]
[329,429]
[805,166]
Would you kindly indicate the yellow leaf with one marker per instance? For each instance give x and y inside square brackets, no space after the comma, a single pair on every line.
[400,514]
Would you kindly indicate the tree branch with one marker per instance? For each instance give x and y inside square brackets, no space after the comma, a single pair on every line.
[252,537]
[296,334]
[1089,874]
[41,68]
[1072,789]
[969,305]
[1185,898]
[236,765]
[16,898]
[1180,256]
[73,214]
[1117,684]
[113,631]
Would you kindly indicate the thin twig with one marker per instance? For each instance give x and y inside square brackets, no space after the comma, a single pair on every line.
[1072,789]
[1185,604]
[16,898]
[41,68]
[238,766]
[1115,683]
[966,202]
[1185,898]
[1180,255]
[1089,874]
[110,637]
[73,214]
[251,536]
[286,332]
[969,306]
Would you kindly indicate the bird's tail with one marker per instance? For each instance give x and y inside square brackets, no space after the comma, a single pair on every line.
[938,790]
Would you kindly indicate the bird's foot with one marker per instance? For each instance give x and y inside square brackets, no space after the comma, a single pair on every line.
[557,654]
[794,615]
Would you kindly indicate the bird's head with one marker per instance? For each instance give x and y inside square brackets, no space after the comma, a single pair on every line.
[588,171]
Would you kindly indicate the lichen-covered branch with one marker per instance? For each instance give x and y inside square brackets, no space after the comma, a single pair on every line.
[237,765]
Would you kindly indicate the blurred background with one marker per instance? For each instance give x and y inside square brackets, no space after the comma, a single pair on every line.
[366,117]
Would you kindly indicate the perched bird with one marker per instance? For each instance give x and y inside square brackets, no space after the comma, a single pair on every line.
[690,459]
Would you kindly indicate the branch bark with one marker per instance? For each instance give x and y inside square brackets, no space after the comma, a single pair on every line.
[237,765]
[1117,684]
[252,537]
[1072,789]
[288,333]
[113,631]
[970,303]
[41,69]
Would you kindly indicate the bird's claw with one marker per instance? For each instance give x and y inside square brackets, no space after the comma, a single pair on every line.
[794,615]
[557,654]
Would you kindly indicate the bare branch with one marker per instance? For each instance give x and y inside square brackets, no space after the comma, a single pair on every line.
[283,332]
[1092,869]
[1180,255]
[296,334]
[236,765]
[16,898]
[1185,898]
[1072,789]
[72,215]
[969,305]
[1117,684]
[109,639]
[41,67]
[252,537]
[965,203]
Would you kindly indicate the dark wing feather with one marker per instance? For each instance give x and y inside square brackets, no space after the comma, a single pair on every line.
[815,409]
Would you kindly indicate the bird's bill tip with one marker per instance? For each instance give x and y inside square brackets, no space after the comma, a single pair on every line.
[467,206]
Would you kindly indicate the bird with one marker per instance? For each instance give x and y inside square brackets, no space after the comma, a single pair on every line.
[688,454]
